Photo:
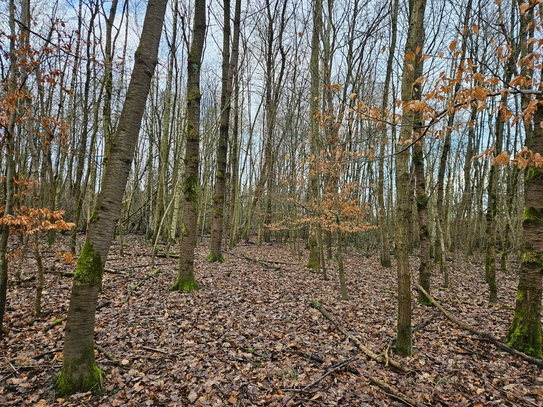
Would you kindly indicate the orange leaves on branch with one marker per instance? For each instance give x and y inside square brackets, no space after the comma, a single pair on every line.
[486,154]
[523,8]
[452,45]
[29,220]
[527,158]
[501,159]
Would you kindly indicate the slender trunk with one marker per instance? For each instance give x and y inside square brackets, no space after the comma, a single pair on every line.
[9,169]
[315,232]
[381,210]
[41,277]
[79,371]
[234,157]
[525,332]
[185,276]
[82,147]
[415,38]
[425,267]
[229,65]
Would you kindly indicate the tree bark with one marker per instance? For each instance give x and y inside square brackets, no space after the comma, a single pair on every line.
[382,213]
[525,332]
[79,371]
[9,170]
[185,276]
[313,262]
[415,38]
[229,65]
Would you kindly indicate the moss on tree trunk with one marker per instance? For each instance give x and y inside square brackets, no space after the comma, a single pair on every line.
[79,371]
[525,331]
[80,374]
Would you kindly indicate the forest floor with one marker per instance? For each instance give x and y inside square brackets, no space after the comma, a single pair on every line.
[250,337]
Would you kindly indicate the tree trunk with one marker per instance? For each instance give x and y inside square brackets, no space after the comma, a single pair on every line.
[234,156]
[185,276]
[415,38]
[313,262]
[382,213]
[79,371]
[9,171]
[525,332]
[229,65]
[425,267]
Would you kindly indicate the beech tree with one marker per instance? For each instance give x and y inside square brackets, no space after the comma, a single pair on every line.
[525,332]
[229,65]
[185,277]
[79,371]
[411,91]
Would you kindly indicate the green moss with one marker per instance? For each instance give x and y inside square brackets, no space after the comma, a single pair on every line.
[184,229]
[522,337]
[532,216]
[71,380]
[532,257]
[94,215]
[315,304]
[89,267]
[220,174]
[422,201]
[212,258]
[194,94]
[186,285]
[531,173]
[191,188]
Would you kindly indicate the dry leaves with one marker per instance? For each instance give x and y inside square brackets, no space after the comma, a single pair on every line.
[249,337]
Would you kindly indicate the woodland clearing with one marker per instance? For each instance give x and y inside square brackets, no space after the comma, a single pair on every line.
[250,336]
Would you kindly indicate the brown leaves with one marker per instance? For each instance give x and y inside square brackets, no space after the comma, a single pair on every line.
[527,158]
[248,336]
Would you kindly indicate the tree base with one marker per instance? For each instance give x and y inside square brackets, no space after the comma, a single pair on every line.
[212,258]
[186,286]
[92,381]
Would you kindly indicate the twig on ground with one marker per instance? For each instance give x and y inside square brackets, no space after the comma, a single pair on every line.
[379,358]
[328,373]
[484,335]
[391,391]
[261,262]
[47,352]
[155,350]
[108,356]
[134,287]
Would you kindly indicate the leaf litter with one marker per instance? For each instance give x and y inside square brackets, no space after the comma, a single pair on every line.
[249,336]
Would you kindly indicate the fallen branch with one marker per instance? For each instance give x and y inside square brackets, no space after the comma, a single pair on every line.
[108,356]
[134,287]
[261,262]
[484,335]
[167,255]
[320,360]
[379,358]
[328,373]
[47,352]
[155,350]
[391,391]
[61,273]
